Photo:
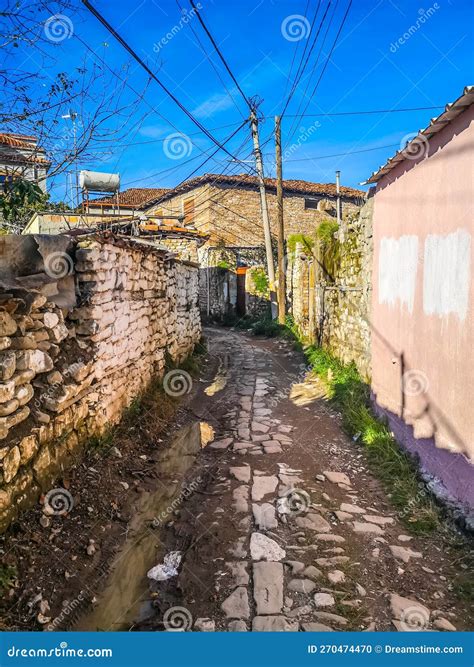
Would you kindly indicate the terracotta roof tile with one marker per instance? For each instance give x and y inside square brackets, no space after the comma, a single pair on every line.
[245,180]
[131,198]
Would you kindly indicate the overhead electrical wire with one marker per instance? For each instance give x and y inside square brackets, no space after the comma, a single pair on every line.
[136,57]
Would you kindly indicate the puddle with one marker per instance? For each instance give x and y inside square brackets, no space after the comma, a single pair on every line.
[220,379]
[120,602]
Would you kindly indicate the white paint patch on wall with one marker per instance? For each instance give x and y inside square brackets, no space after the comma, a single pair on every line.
[398,260]
[447,274]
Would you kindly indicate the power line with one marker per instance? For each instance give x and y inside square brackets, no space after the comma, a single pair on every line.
[360,113]
[219,53]
[136,57]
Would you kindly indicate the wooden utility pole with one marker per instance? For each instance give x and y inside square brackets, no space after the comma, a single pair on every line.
[263,204]
[281,226]
[338,200]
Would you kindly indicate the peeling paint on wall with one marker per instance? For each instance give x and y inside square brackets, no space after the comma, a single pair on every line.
[397,269]
[446,275]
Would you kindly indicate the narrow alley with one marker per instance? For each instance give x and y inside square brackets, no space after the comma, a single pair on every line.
[272,523]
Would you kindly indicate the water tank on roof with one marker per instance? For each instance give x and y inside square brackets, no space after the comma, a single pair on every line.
[97,181]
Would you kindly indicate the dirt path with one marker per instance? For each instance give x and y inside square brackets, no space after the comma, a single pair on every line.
[277,520]
[291,531]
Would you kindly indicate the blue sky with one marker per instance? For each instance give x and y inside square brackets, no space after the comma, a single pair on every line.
[390,55]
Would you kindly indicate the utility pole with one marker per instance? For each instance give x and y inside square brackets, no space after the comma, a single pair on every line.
[263,204]
[72,115]
[338,200]
[281,227]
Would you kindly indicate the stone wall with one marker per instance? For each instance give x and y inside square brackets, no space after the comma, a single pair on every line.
[67,375]
[332,308]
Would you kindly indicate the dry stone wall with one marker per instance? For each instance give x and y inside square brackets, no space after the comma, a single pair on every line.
[334,310]
[67,376]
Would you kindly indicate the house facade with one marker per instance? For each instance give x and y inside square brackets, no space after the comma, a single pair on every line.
[21,157]
[422,323]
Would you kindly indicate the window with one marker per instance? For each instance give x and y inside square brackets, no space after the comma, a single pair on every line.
[188,210]
[311,203]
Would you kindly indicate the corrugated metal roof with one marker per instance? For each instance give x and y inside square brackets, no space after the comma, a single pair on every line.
[418,142]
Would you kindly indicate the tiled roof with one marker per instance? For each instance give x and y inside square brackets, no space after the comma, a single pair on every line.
[247,181]
[418,144]
[17,140]
[131,198]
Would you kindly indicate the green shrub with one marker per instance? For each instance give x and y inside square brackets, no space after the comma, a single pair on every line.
[326,230]
[260,280]
[306,242]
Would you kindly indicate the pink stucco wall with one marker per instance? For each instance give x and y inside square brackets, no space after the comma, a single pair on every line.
[422,312]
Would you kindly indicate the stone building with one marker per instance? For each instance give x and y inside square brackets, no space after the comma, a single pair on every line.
[20,156]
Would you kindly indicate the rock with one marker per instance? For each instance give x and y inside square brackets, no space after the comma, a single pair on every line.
[301,586]
[7,364]
[5,342]
[367,528]
[221,444]
[411,613]
[405,538]
[444,624]
[50,320]
[240,495]
[205,625]
[91,548]
[378,520]
[324,600]
[274,624]
[314,522]
[237,626]
[337,477]
[239,573]
[28,447]
[264,516]
[297,612]
[332,618]
[237,604]
[241,473]
[296,566]
[316,627]
[268,587]
[262,486]
[54,377]
[334,560]
[257,427]
[336,577]
[11,463]
[8,326]
[7,390]
[351,509]
[330,538]
[312,572]
[361,590]
[36,360]
[404,553]
[264,548]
